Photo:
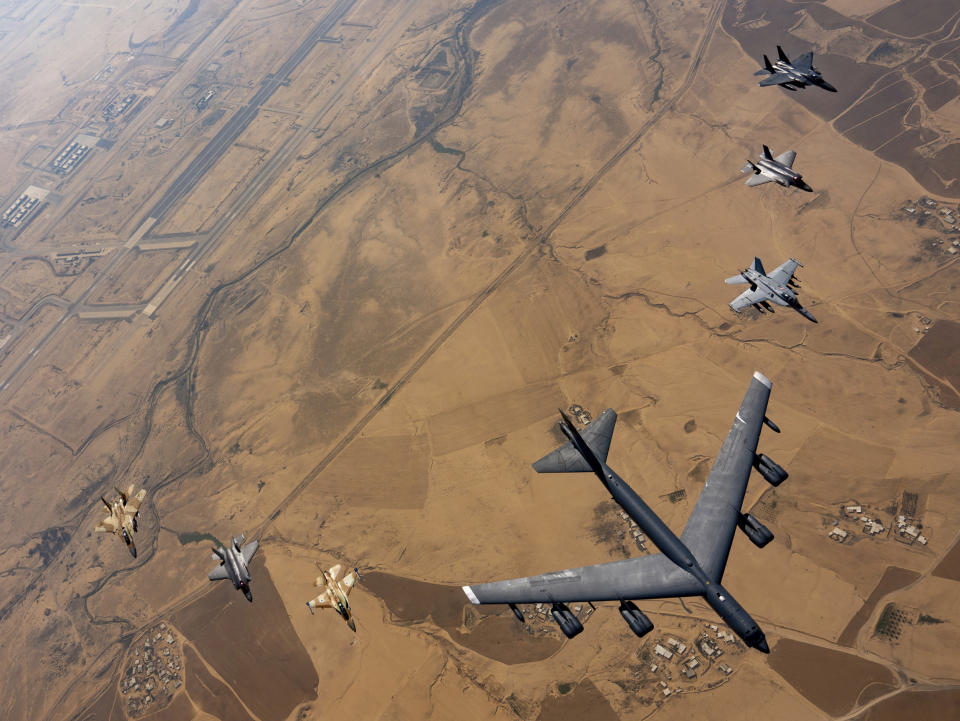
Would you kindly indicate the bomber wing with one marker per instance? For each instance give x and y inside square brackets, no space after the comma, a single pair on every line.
[776,79]
[710,528]
[804,62]
[750,297]
[653,576]
[782,274]
[787,158]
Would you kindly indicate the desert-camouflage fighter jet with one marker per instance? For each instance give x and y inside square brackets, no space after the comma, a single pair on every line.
[780,170]
[335,592]
[792,75]
[778,287]
[234,564]
[122,520]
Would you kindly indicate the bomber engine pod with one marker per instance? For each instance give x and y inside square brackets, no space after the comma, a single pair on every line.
[758,534]
[635,618]
[771,472]
[568,623]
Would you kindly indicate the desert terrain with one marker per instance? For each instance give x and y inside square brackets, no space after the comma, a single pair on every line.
[322,271]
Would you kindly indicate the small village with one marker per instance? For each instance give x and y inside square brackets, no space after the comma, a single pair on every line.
[902,525]
[154,671]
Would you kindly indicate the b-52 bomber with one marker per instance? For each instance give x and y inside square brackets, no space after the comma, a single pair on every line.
[335,592]
[234,562]
[779,287]
[122,520]
[780,170]
[792,75]
[691,565]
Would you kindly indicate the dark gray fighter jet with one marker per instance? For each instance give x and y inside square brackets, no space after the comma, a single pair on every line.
[779,287]
[691,565]
[775,170]
[233,564]
[792,75]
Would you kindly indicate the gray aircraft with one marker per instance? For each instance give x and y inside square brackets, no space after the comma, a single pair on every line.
[769,169]
[792,75]
[779,287]
[691,565]
[234,564]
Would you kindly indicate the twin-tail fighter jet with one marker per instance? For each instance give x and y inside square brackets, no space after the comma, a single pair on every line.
[779,170]
[335,592]
[689,565]
[122,520]
[778,287]
[234,562]
[792,75]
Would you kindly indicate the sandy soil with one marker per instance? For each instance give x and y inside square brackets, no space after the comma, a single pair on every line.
[452,218]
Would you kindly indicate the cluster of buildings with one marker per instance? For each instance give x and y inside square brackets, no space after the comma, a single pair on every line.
[205,100]
[928,209]
[925,323]
[69,157]
[635,531]
[116,109]
[692,661]
[909,530]
[22,208]
[154,672]
[580,413]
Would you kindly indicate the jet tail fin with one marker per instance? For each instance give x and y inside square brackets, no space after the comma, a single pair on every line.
[758,266]
[768,65]
[766,153]
[782,55]
[584,453]
[750,167]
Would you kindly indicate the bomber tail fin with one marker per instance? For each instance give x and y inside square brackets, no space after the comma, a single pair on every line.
[584,453]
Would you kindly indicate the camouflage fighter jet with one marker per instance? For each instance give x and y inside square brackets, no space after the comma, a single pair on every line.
[122,520]
[234,562]
[335,592]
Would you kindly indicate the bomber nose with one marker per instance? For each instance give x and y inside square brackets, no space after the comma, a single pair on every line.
[761,645]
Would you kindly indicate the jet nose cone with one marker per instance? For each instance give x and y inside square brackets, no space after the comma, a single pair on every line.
[808,315]
[352,625]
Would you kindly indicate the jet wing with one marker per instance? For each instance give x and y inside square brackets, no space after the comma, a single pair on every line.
[750,297]
[787,158]
[710,528]
[634,578]
[249,550]
[321,601]
[107,525]
[133,505]
[349,581]
[804,62]
[759,180]
[219,573]
[776,79]
[783,273]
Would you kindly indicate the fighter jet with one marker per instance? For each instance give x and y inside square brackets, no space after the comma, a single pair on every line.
[691,565]
[335,592]
[775,170]
[122,520]
[779,287]
[792,75]
[233,564]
